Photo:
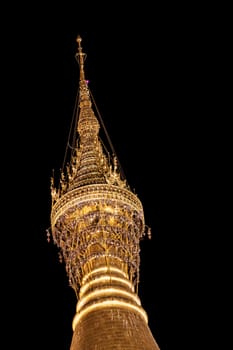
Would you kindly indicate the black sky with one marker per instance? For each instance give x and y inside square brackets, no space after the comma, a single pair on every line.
[145,69]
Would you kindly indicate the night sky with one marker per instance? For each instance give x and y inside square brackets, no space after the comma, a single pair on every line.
[144,69]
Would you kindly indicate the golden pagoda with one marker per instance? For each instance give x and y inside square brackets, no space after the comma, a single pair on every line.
[97,223]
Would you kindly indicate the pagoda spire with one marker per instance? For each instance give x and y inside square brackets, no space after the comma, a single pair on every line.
[88,164]
[81,57]
[83,83]
[90,179]
[97,224]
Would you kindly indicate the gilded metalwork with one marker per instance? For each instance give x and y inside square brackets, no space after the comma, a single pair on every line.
[96,220]
[97,223]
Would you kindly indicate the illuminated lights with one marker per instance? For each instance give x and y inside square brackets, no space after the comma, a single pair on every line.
[104,269]
[103,279]
[104,292]
[108,303]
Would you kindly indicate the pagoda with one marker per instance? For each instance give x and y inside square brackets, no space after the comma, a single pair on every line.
[97,223]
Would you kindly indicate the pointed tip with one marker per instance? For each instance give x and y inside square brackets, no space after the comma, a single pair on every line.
[80,56]
[79,39]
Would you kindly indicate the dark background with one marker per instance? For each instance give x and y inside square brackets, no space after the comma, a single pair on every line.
[150,72]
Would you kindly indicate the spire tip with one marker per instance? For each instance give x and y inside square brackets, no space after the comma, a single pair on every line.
[79,39]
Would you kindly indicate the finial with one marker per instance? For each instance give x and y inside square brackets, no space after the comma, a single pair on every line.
[80,56]
[79,39]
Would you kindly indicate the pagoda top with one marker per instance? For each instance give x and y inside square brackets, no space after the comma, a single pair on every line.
[80,56]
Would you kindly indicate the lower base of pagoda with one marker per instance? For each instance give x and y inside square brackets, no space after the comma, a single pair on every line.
[113,329]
